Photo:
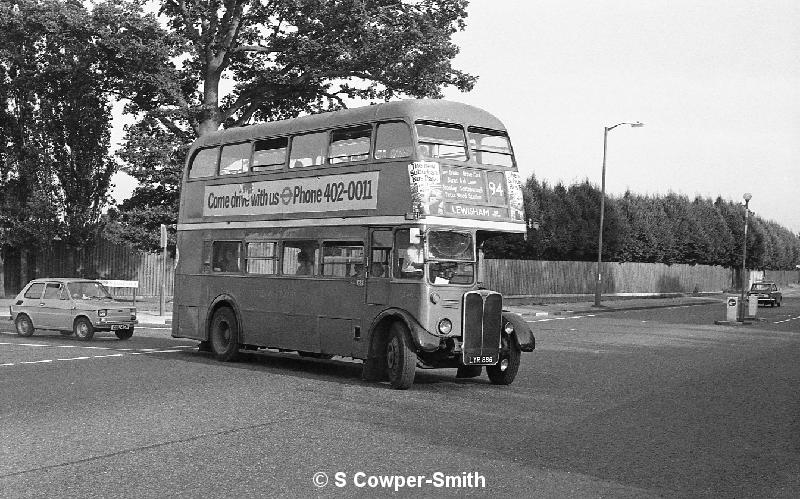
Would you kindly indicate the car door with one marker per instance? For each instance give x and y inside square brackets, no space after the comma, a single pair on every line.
[49,306]
[31,303]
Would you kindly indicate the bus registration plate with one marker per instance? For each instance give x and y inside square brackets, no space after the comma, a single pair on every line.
[482,359]
[115,327]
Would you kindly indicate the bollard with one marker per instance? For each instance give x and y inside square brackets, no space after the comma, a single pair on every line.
[732,309]
[752,306]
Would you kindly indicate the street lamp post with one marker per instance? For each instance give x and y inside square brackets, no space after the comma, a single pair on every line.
[599,282]
[747,197]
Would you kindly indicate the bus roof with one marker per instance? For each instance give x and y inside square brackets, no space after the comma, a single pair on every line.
[415,109]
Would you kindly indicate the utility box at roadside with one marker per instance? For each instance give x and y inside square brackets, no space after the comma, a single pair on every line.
[732,310]
[752,306]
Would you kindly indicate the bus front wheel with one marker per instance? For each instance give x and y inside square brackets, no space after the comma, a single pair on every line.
[225,335]
[504,372]
[401,361]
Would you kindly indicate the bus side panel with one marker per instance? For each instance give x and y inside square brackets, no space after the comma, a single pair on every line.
[272,316]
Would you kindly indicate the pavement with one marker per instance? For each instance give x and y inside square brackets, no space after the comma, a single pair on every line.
[530,307]
[552,305]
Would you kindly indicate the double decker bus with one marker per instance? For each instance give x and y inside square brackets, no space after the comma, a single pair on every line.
[354,233]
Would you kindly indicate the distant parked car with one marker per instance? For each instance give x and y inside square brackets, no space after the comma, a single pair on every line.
[767,292]
[79,306]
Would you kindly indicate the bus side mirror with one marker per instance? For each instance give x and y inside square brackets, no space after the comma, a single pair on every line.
[414,235]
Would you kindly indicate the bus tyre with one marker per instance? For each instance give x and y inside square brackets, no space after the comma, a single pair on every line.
[83,329]
[225,335]
[124,334]
[401,361]
[24,325]
[504,372]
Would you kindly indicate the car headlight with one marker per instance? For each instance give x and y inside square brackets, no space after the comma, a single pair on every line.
[133,313]
[445,326]
[102,312]
[508,328]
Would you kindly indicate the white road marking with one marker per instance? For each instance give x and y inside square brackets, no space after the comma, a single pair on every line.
[122,352]
[787,320]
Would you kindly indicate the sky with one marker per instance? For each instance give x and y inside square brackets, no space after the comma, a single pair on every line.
[716,83]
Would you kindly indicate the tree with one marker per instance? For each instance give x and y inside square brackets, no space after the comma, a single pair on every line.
[59,66]
[291,56]
[154,156]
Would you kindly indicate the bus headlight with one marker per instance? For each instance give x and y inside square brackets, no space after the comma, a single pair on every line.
[102,312]
[445,326]
[508,328]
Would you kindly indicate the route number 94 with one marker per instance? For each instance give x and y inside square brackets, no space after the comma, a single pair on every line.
[495,189]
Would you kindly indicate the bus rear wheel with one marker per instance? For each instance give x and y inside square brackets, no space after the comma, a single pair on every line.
[225,335]
[504,372]
[401,361]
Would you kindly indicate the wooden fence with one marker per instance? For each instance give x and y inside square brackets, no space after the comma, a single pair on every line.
[535,277]
[105,261]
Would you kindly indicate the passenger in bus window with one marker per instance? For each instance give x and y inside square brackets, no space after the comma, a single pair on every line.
[304,264]
[230,262]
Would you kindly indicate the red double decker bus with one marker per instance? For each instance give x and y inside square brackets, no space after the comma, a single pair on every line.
[355,233]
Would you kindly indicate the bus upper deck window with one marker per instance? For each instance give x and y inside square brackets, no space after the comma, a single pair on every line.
[308,150]
[270,154]
[204,163]
[350,144]
[438,140]
[235,158]
[490,147]
[393,140]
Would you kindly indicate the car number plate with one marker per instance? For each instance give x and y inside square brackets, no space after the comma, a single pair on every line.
[114,327]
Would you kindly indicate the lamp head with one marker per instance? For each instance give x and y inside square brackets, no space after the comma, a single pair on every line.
[747,196]
[638,124]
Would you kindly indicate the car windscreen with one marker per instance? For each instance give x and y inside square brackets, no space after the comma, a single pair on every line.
[88,290]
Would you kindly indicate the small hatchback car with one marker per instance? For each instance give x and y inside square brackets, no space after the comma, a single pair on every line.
[74,305]
[767,292]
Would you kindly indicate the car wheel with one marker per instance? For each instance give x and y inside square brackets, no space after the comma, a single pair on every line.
[225,335]
[124,334]
[401,361]
[83,329]
[779,303]
[24,325]
[504,372]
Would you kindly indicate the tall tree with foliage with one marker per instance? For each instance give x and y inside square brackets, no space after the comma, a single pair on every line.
[154,156]
[60,65]
[285,57]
